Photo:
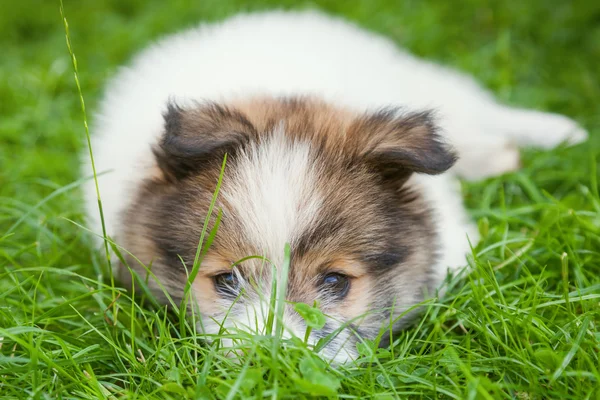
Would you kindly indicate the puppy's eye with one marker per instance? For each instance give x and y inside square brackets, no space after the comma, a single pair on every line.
[336,284]
[227,283]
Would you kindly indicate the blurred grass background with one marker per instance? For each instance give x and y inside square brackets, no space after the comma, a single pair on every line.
[540,54]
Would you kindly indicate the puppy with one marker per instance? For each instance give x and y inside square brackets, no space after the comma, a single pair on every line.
[337,143]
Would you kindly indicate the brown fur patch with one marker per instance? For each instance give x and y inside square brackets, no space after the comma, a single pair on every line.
[204,288]
[354,305]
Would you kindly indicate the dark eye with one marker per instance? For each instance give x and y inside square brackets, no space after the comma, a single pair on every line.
[227,283]
[336,284]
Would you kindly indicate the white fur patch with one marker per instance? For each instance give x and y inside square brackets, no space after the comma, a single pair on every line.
[272,193]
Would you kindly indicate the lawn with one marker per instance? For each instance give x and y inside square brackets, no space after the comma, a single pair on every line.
[524,324]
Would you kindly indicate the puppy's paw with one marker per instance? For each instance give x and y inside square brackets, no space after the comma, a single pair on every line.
[499,162]
[489,162]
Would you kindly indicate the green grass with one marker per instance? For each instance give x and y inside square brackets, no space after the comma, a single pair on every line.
[523,325]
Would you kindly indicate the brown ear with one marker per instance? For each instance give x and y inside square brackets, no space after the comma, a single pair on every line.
[398,144]
[194,136]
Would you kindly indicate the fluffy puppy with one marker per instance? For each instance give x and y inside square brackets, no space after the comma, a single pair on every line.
[332,147]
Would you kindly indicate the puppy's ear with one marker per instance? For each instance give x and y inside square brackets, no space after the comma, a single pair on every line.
[197,135]
[398,144]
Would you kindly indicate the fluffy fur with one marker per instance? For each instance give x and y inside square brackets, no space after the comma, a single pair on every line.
[331,149]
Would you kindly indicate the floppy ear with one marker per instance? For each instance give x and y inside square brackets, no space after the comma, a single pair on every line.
[197,135]
[398,144]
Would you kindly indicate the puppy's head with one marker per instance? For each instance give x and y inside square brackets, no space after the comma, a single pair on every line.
[330,182]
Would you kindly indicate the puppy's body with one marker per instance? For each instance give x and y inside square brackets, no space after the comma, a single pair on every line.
[296,101]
